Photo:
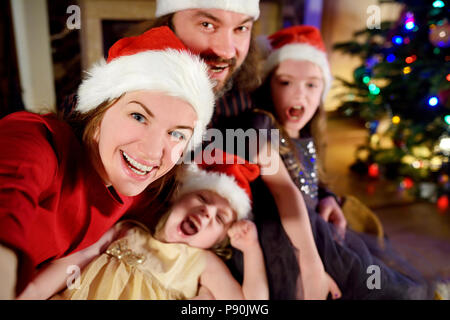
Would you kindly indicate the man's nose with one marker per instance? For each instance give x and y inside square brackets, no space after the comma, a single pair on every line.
[223,44]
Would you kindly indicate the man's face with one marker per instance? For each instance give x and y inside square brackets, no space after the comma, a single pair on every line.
[221,38]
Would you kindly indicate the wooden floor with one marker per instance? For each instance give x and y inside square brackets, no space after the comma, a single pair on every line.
[418,230]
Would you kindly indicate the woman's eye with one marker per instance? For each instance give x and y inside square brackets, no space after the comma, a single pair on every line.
[178,135]
[284,83]
[138,117]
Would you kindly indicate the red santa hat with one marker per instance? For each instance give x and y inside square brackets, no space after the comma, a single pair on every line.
[299,43]
[247,7]
[156,60]
[229,178]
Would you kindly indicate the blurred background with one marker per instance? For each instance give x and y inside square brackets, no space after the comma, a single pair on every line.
[388,110]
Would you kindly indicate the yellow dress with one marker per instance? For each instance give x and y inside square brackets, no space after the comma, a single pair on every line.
[139,267]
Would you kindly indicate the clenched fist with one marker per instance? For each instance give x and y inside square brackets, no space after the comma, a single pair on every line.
[243,235]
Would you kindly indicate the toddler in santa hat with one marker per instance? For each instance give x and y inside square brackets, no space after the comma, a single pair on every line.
[63,184]
[209,209]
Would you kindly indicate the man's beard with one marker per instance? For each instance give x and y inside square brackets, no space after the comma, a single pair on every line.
[232,71]
[228,84]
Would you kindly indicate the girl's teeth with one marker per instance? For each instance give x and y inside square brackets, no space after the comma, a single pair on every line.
[143,168]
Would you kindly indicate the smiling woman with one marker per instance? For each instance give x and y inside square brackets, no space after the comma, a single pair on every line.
[132,157]
[65,183]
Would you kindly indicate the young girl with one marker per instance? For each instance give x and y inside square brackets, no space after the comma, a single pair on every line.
[63,184]
[297,80]
[173,261]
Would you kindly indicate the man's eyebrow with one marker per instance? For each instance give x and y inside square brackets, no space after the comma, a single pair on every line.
[143,107]
[203,14]
[249,19]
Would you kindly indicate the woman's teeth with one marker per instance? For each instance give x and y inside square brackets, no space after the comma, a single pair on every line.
[135,166]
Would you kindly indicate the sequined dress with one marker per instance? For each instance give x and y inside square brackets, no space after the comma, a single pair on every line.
[347,261]
[139,267]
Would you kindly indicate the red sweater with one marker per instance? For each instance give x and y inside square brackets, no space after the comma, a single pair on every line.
[52,201]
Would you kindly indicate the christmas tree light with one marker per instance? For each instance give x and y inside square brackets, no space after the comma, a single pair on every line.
[433,101]
[390,58]
[395,119]
[397,40]
[438,4]
[447,119]
[403,83]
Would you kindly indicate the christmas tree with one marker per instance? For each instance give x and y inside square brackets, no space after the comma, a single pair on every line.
[401,91]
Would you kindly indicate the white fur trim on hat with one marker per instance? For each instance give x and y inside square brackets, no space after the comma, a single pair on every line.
[248,7]
[176,73]
[299,51]
[195,179]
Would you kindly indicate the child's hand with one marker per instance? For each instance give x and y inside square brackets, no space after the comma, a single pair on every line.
[331,212]
[243,235]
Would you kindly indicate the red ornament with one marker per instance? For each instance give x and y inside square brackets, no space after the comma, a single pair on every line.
[374,170]
[442,202]
[407,183]
[411,59]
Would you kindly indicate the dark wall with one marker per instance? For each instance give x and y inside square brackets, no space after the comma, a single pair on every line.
[10,92]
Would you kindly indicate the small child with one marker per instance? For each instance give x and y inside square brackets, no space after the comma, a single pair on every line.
[297,79]
[172,262]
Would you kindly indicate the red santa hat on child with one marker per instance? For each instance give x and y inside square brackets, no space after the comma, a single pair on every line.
[299,43]
[156,60]
[247,7]
[229,178]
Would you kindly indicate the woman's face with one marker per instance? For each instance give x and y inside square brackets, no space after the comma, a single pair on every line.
[140,138]
[200,219]
[296,88]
